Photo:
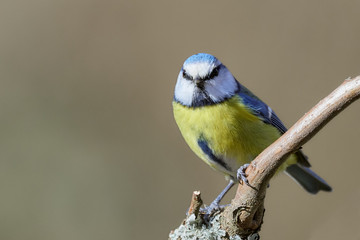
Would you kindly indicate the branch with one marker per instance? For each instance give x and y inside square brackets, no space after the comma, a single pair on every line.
[245,214]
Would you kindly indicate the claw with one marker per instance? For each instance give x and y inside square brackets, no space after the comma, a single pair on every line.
[241,175]
[209,211]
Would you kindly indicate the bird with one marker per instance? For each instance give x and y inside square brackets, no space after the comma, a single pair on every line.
[227,126]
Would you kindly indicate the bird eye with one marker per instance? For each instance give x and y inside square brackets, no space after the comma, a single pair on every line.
[214,72]
[186,76]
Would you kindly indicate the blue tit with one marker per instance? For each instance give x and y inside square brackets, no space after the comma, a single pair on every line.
[227,126]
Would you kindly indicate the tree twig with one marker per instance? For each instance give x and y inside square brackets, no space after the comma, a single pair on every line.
[195,204]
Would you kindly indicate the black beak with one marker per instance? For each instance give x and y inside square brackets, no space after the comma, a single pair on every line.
[199,83]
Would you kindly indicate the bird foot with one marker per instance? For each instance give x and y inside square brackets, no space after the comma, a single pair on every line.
[241,175]
[210,210]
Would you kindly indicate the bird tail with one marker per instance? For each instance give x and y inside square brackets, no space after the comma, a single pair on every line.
[309,180]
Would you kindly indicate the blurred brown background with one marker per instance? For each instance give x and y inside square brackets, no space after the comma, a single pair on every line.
[89,148]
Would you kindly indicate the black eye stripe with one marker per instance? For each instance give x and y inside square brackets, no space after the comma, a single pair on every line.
[214,73]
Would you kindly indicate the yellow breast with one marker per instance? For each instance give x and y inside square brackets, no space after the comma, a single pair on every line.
[231,131]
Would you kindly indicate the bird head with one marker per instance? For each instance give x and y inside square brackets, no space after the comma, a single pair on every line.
[204,80]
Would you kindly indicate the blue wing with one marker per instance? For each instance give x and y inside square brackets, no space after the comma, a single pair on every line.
[267,115]
[260,109]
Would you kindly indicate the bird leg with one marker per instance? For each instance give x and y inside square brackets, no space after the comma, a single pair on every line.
[215,204]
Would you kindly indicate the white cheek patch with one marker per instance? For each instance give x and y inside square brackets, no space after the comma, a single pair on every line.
[184,90]
[222,86]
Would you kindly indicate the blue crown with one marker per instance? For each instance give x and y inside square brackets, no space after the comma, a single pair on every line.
[201,57]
